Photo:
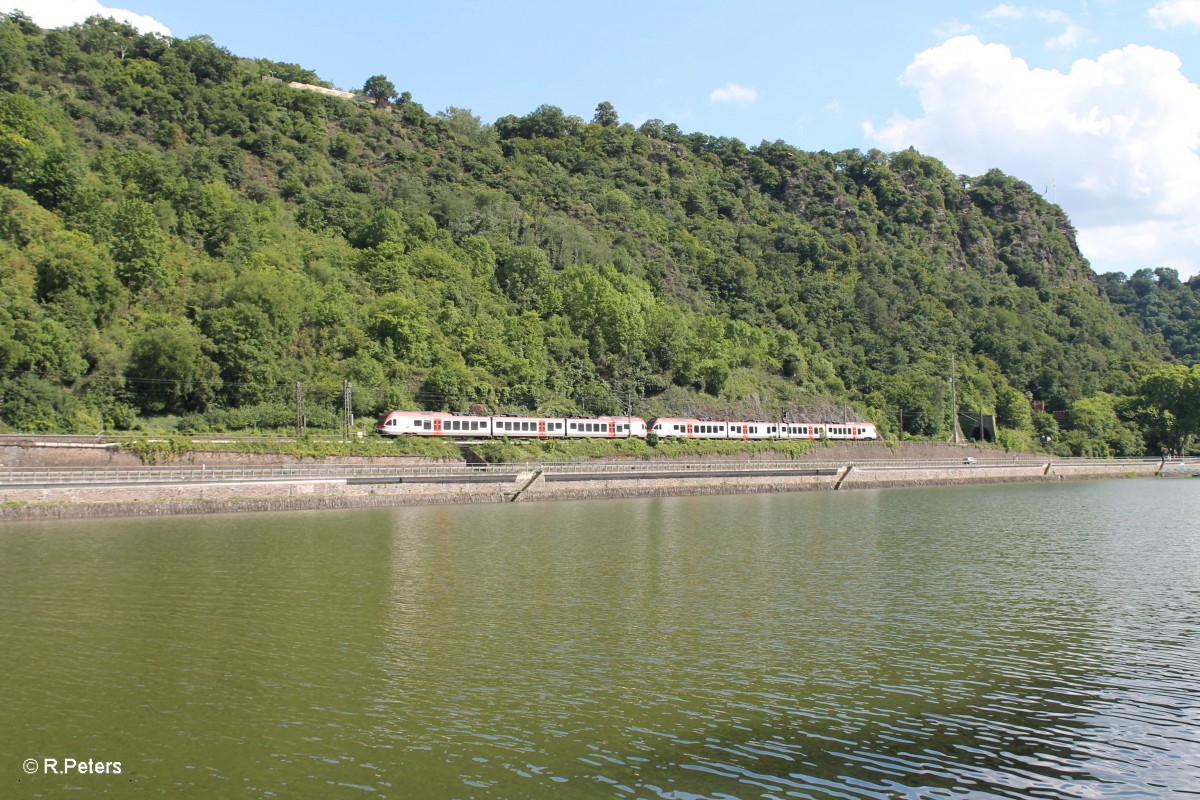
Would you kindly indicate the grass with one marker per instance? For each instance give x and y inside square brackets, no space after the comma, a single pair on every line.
[159,450]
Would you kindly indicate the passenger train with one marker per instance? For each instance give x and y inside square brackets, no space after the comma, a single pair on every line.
[472,426]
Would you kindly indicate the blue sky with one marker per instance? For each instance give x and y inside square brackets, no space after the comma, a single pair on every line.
[1094,102]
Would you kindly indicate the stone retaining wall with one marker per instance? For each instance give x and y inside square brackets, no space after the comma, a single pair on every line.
[47,503]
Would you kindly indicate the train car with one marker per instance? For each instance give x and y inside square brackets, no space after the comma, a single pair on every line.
[433,423]
[747,430]
[690,428]
[605,427]
[800,430]
[529,427]
[852,431]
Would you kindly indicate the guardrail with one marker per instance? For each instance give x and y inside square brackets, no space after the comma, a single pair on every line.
[202,474]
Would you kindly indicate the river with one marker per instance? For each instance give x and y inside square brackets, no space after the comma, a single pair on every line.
[1006,641]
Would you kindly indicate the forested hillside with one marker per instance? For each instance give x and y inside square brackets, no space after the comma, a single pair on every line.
[1162,305]
[183,234]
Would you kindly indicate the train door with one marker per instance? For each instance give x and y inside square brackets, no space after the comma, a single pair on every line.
[612,429]
[689,430]
[541,429]
[437,427]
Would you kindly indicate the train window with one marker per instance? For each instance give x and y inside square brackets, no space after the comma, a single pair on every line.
[572,426]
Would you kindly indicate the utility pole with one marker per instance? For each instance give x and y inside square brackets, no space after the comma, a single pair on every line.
[300,421]
[953,403]
[347,415]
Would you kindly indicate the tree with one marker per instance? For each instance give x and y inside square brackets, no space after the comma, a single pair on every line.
[606,115]
[137,245]
[1170,398]
[170,371]
[1097,430]
[380,90]
[14,57]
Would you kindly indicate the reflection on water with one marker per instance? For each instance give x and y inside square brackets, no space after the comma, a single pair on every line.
[1036,641]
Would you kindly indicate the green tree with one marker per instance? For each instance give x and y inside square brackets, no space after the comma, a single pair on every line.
[1098,431]
[137,245]
[170,370]
[606,115]
[523,273]
[1170,402]
[14,55]
[380,90]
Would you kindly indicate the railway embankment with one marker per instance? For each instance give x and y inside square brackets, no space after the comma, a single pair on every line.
[54,482]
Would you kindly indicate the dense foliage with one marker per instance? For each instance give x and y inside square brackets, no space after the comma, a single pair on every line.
[1162,305]
[183,234]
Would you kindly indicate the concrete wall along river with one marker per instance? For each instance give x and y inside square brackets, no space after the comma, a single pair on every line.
[53,480]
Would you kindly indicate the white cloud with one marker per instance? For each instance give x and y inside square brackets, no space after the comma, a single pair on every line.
[1176,14]
[1004,12]
[1072,35]
[732,93]
[60,13]
[1119,134]
[950,29]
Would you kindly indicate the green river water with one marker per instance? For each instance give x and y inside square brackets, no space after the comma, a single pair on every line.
[1011,641]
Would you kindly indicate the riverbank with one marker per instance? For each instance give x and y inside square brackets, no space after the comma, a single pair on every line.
[249,482]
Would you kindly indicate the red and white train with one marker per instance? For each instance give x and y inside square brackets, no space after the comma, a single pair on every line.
[471,426]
